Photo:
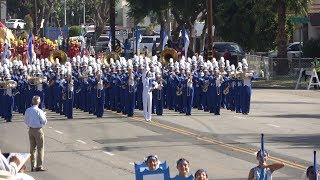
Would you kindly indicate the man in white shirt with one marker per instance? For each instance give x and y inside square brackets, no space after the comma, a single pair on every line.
[35,118]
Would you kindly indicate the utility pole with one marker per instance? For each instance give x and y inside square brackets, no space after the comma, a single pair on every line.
[84,13]
[65,12]
[113,24]
[35,17]
[209,21]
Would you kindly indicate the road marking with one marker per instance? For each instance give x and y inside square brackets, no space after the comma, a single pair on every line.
[239,117]
[50,127]
[80,141]
[131,163]
[95,147]
[273,125]
[59,132]
[109,153]
[217,142]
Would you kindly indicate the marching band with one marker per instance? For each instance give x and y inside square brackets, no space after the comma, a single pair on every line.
[124,85]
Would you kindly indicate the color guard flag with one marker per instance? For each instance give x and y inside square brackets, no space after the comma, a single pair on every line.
[186,41]
[138,40]
[30,47]
[165,39]
[110,39]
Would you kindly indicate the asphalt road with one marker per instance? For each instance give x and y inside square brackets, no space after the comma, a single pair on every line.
[87,147]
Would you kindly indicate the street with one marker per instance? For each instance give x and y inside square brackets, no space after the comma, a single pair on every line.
[87,147]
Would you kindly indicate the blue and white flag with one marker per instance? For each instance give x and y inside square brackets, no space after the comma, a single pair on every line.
[6,52]
[110,41]
[186,41]
[30,48]
[165,39]
[138,40]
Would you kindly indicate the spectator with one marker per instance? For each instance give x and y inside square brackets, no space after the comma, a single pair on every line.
[183,168]
[227,55]
[201,175]
[215,54]
[154,48]
[127,47]
[35,118]
[10,166]
[255,172]
[145,51]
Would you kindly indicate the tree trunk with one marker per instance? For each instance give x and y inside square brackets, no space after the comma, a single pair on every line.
[282,36]
[283,64]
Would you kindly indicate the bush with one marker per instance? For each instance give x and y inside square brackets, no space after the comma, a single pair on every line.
[311,48]
[74,31]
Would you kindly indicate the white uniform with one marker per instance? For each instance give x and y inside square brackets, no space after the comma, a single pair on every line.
[257,173]
[147,79]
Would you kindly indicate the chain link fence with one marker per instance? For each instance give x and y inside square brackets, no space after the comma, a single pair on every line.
[277,72]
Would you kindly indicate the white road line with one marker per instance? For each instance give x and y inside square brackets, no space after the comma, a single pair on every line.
[59,132]
[131,163]
[50,127]
[95,147]
[80,141]
[239,117]
[109,153]
[273,125]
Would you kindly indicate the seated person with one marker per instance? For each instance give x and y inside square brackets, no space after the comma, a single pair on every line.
[183,168]
[10,166]
[255,172]
[201,175]
[310,173]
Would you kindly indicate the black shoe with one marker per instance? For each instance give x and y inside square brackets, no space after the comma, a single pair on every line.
[130,115]
[40,169]
[32,169]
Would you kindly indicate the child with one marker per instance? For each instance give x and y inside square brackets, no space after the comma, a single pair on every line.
[183,168]
[201,175]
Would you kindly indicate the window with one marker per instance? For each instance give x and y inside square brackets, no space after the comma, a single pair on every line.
[147,40]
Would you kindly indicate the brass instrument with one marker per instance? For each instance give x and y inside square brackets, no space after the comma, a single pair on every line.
[167,54]
[160,82]
[189,84]
[107,56]
[10,84]
[70,88]
[226,90]
[130,82]
[64,93]
[179,91]
[218,90]
[33,81]
[61,55]
[205,86]
[99,88]
[218,84]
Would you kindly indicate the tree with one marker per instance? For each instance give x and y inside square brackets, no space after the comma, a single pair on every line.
[296,7]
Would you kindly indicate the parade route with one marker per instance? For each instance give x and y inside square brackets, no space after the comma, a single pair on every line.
[87,147]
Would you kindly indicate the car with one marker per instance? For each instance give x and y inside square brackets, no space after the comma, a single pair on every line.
[146,41]
[102,43]
[85,35]
[237,53]
[15,23]
[295,49]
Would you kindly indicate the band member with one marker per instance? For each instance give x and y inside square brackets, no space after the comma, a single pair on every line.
[179,79]
[188,92]
[8,98]
[159,95]
[149,84]
[204,84]
[69,96]
[130,91]
[246,89]
[218,79]
[99,94]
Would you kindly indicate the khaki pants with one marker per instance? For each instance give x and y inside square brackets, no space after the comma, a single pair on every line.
[36,138]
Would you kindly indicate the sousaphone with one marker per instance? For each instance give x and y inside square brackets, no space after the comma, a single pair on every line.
[61,55]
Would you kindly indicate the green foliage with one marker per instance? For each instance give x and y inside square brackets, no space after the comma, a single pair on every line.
[29,23]
[247,23]
[74,31]
[18,8]
[311,48]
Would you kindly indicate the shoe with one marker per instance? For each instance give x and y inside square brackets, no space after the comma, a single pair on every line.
[32,169]
[40,169]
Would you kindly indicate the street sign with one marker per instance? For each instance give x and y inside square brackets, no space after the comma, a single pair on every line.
[300,20]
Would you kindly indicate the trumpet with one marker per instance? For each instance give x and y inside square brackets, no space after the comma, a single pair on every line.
[226,90]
